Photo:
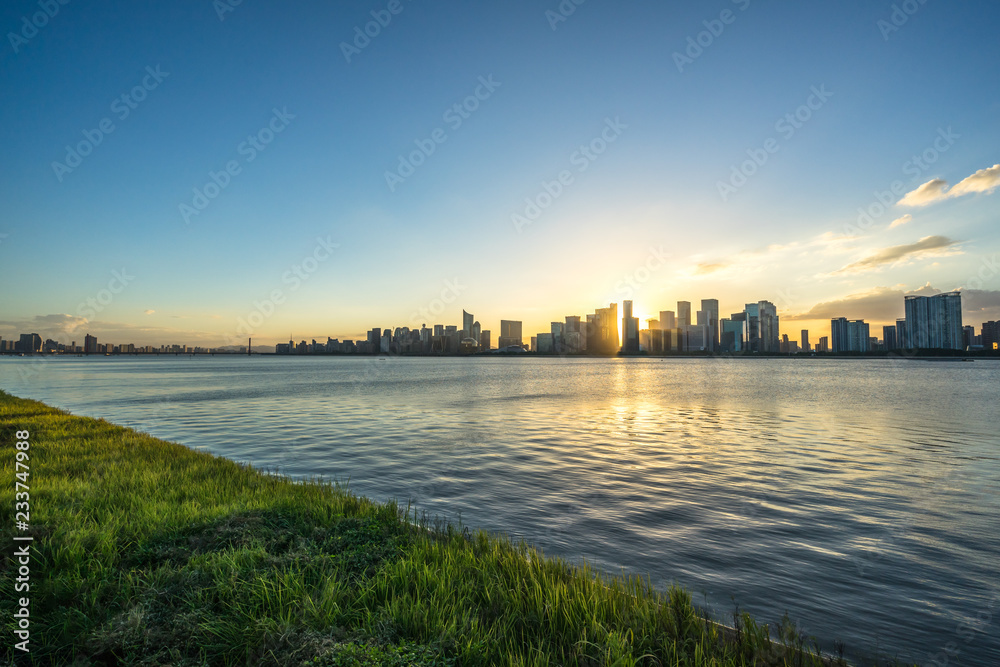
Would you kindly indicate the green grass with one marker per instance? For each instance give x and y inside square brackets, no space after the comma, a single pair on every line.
[149,553]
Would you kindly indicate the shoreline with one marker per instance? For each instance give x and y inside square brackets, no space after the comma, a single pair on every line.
[167,551]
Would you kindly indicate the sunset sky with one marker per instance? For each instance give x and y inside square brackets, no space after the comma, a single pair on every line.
[190,165]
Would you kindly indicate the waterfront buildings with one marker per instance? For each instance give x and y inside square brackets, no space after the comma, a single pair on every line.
[934,322]
[849,336]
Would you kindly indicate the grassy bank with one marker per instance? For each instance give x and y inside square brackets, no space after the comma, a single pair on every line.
[149,553]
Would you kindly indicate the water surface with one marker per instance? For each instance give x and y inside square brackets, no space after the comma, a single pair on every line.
[858,496]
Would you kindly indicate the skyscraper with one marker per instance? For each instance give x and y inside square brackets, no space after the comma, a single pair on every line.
[762,327]
[602,331]
[683,314]
[467,321]
[630,329]
[991,335]
[934,322]
[806,347]
[849,335]
[510,333]
[709,316]
[667,320]
[889,338]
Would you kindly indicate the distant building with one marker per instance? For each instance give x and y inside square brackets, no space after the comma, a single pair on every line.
[934,322]
[696,338]
[683,314]
[889,338]
[761,327]
[823,345]
[805,341]
[709,316]
[89,344]
[849,335]
[731,333]
[630,330]
[468,321]
[484,341]
[556,330]
[545,343]
[602,331]
[991,336]
[510,333]
[667,320]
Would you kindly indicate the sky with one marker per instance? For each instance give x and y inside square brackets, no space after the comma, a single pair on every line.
[195,171]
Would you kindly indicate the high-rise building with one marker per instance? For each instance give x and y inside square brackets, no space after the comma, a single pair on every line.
[697,338]
[683,313]
[850,335]
[90,344]
[467,321]
[484,341]
[574,340]
[762,327]
[889,338]
[991,336]
[731,332]
[823,345]
[667,320]
[806,347]
[630,330]
[902,337]
[30,343]
[510,334]
[602,331]
[968,337]
[556,329]
[934,322]
[709,316]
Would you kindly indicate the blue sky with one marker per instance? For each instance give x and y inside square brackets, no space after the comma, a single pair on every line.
[645,218]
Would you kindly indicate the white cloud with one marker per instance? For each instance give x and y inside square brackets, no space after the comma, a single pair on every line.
[984,180]
[929,246]
[899,222]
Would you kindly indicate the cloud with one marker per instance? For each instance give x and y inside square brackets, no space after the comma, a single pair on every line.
[150,311]
[879,304]
[706,268]
[885,304]
[984,180]
[59,322]
[929,246]
[899,222]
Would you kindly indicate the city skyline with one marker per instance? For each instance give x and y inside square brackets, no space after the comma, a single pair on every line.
[314,172]
[930,322]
